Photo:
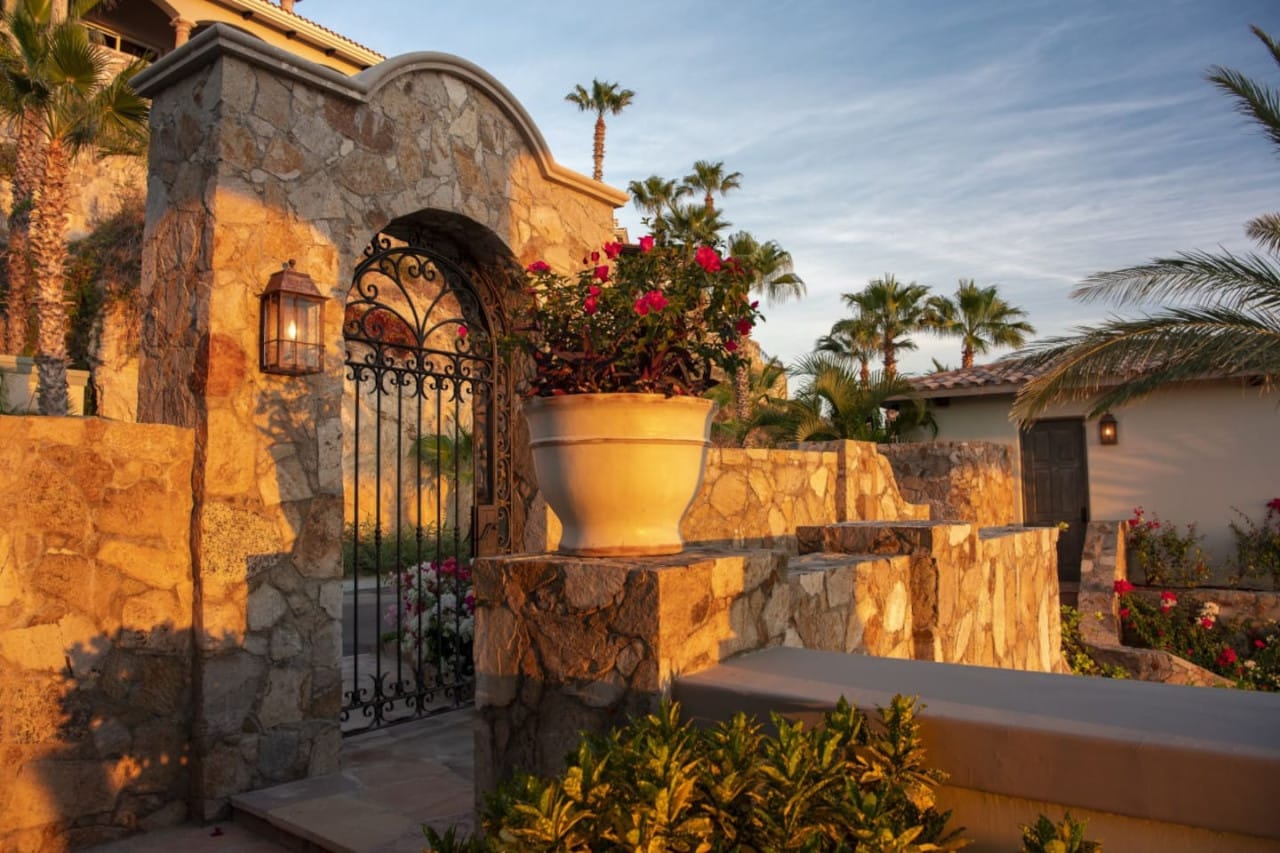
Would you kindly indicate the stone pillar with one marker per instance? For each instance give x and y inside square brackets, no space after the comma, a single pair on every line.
[181,30]
[567,644]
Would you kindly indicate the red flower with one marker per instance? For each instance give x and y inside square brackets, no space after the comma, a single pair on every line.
[1259,644]
[707,258]
[590,305]
[651,301]
[462,331]
[593,290]
[595,257]
[1274,504]
[744,326]
[1206,623]
[646,243]
[731,345]
[1124,613]
[1168,601]
[1227,657]
[601,273]
[1123,587]
[612,250]
[539,266]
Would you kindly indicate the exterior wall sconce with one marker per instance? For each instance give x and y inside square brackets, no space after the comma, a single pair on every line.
[1108,430]
[292,310]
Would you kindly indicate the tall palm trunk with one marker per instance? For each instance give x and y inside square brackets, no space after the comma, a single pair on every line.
[18,260]
[49,255]
[598,149]
[966,356]
[890,358]
[742,392]
[864,372]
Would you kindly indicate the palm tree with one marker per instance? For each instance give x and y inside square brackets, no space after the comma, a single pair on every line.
[896,310]
[710,179]
[774,278]
[54,76]
[602,98]
[980,318]
[832,403]
[761,395]
[854,338]
[17,260]
[693,224]
[1220,312]
[656,196]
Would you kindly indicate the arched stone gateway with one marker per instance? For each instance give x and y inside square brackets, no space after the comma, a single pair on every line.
[258,158]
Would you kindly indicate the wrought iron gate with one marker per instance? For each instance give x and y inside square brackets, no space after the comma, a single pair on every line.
[428,481]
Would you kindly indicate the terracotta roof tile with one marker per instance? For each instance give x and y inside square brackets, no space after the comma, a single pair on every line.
[1009,371]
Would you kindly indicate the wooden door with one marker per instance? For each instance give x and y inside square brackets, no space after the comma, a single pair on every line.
[1055,486]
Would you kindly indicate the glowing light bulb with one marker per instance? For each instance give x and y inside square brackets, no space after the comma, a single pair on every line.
[293,330]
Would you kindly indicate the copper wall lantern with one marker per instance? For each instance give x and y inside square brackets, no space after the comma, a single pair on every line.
[292,311]
[1108,430]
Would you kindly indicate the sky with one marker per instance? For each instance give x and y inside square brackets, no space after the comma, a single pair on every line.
[1024,144]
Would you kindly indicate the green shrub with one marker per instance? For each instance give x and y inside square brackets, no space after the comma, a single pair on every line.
[1075,654]
[393,552]
[1165,556]
[662,784]
[1066,836]
[1258,546]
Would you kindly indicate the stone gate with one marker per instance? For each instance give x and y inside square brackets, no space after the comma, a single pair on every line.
[257,158]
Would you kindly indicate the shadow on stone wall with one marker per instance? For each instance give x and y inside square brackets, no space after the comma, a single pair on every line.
[100,748]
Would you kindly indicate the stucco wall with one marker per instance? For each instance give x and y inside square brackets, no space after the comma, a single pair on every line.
[95,629]
[1187,453]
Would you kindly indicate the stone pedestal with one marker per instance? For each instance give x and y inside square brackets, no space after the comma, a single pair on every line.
[569,644]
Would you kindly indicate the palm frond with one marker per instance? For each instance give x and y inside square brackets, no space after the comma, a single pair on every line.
[1197,278]
[1266,230]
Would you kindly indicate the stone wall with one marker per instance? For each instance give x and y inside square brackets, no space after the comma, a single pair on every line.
[95,629]
[985,597]
[959,480]
[565,645]
[757,497]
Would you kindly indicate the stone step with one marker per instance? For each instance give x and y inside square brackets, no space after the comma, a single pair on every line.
[880,538]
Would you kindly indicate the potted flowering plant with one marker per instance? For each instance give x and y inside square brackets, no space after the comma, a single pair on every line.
[653,318]
[620,351]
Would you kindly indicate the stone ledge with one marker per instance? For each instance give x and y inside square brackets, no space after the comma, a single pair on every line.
[1152,752]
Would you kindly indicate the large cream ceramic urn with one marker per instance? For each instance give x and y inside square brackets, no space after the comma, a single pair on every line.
[619,470]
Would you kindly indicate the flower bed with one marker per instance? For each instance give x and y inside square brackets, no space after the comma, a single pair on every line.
[1192,625]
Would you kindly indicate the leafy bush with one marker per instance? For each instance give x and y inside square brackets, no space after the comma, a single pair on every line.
[1165,556]
[391,552]
[1258,545]
[1075,654]
[661,784]
[1066,836]
[1189,626]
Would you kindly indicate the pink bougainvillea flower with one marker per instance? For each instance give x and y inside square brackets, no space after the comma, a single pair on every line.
[590,305]
[612,250]
[1123,587]
[1168,601]
[593,290]
[601,273]
[707,258]
[462,331]
[1227,657]
[539,266]
[744,327]
[646,243]
[642,305]
[651,301]
[1206,622]
[595,257]
[731,345]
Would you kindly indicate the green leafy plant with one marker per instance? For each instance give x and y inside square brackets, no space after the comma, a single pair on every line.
[659,783]
[1065,836]
[1191,626]
[1075,653]
[655,319]
[1258,545]
[445,453]
[1166,556]
[370,552]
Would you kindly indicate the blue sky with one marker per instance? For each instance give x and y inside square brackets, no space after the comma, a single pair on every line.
[1025,144]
